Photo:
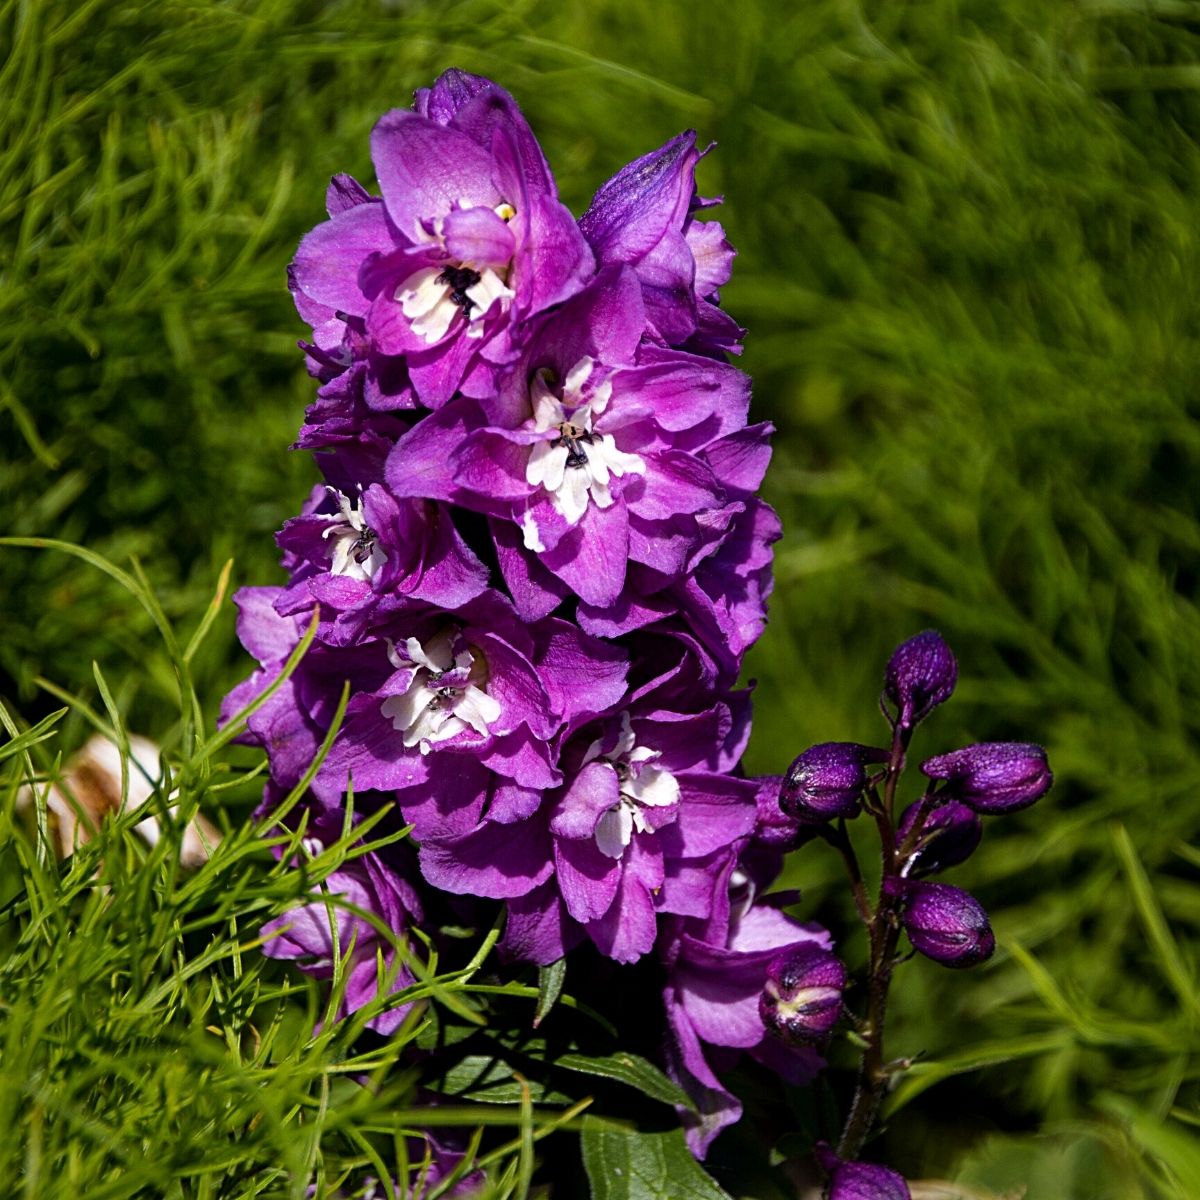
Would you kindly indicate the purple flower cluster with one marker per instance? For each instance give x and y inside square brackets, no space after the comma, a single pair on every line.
[537,559]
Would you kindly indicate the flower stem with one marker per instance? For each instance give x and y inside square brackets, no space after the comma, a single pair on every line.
[884,928]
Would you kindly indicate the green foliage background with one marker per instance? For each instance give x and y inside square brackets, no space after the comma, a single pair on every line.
[969,263]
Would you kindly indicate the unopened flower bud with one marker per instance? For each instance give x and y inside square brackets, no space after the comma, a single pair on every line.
[948,837]
[802,999]
[947,924]
[860,1181]
[993,777]
[920,675]
[826,781]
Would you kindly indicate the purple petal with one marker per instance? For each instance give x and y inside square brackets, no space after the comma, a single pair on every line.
[590,795]
[587,878]
[478,236]
[425,169]
[494,861]
[326,264]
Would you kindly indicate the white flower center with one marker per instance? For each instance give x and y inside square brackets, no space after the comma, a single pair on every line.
[356,551]
[573,462]
[446,695]
[433,296]
[642,786]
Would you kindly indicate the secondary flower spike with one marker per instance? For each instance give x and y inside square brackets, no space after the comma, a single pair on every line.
[993,777]
[920,675]
[827,781]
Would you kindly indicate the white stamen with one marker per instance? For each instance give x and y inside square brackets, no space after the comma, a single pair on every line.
[356,551]
[573,463]
[641,786]
[429,712]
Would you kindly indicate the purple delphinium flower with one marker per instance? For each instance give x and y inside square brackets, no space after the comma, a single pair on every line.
[860,1181]
[945,923]
[467,241]
[920,675]
[949,836]
[644,217]
[316,933]
[716,970]
[993,777]
[646,804]
[591,451]
[827,781]
[366,555]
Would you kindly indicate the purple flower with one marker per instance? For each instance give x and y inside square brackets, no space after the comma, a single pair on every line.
[801,1000]
[949,836]
[946,924]
[365,558]
[645,811]
[827,781]
[591,453]
[644,217]
[920,675]
[468,240]
[374,883]
[993,777]
[860,1181]
[716,971]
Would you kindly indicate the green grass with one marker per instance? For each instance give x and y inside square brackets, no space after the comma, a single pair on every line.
[969,265]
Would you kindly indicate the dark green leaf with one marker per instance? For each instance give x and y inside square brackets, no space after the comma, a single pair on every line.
[644,1166]
[550,986]
[630,1069]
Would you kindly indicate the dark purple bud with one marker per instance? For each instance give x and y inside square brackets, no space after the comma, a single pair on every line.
[948,837]
[993,777]
[826,781]
[860,1181]
[920,676]
[802,999]
[947,924]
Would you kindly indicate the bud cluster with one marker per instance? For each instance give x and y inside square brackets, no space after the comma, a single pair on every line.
[833,782]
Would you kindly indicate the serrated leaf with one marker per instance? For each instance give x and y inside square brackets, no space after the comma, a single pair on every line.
[550,986]
[644,1166]
[629,1069]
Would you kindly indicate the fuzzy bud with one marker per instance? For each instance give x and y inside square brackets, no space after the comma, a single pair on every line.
[993,777]
[802,999]
[860,1181]
[948,837]
[826,781]
[947,924]
[920,675]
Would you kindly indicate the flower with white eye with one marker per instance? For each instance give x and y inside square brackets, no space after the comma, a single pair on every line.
[642,786]
[573,462]
[446,695]
[437,293]
[356,550]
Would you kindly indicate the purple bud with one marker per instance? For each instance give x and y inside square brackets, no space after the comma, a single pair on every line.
[802,999]
[860,1181]
[948,837]
[947,924]
[920,675]
[993,777]
[826,781]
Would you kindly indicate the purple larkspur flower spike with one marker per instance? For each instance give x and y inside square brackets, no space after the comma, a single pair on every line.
[949,836]
[945,923]
[827,781]
[921,674]
[801,1001]
[858,1180]
[993,777]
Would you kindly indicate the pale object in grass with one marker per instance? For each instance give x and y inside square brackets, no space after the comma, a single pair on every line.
[90,789]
